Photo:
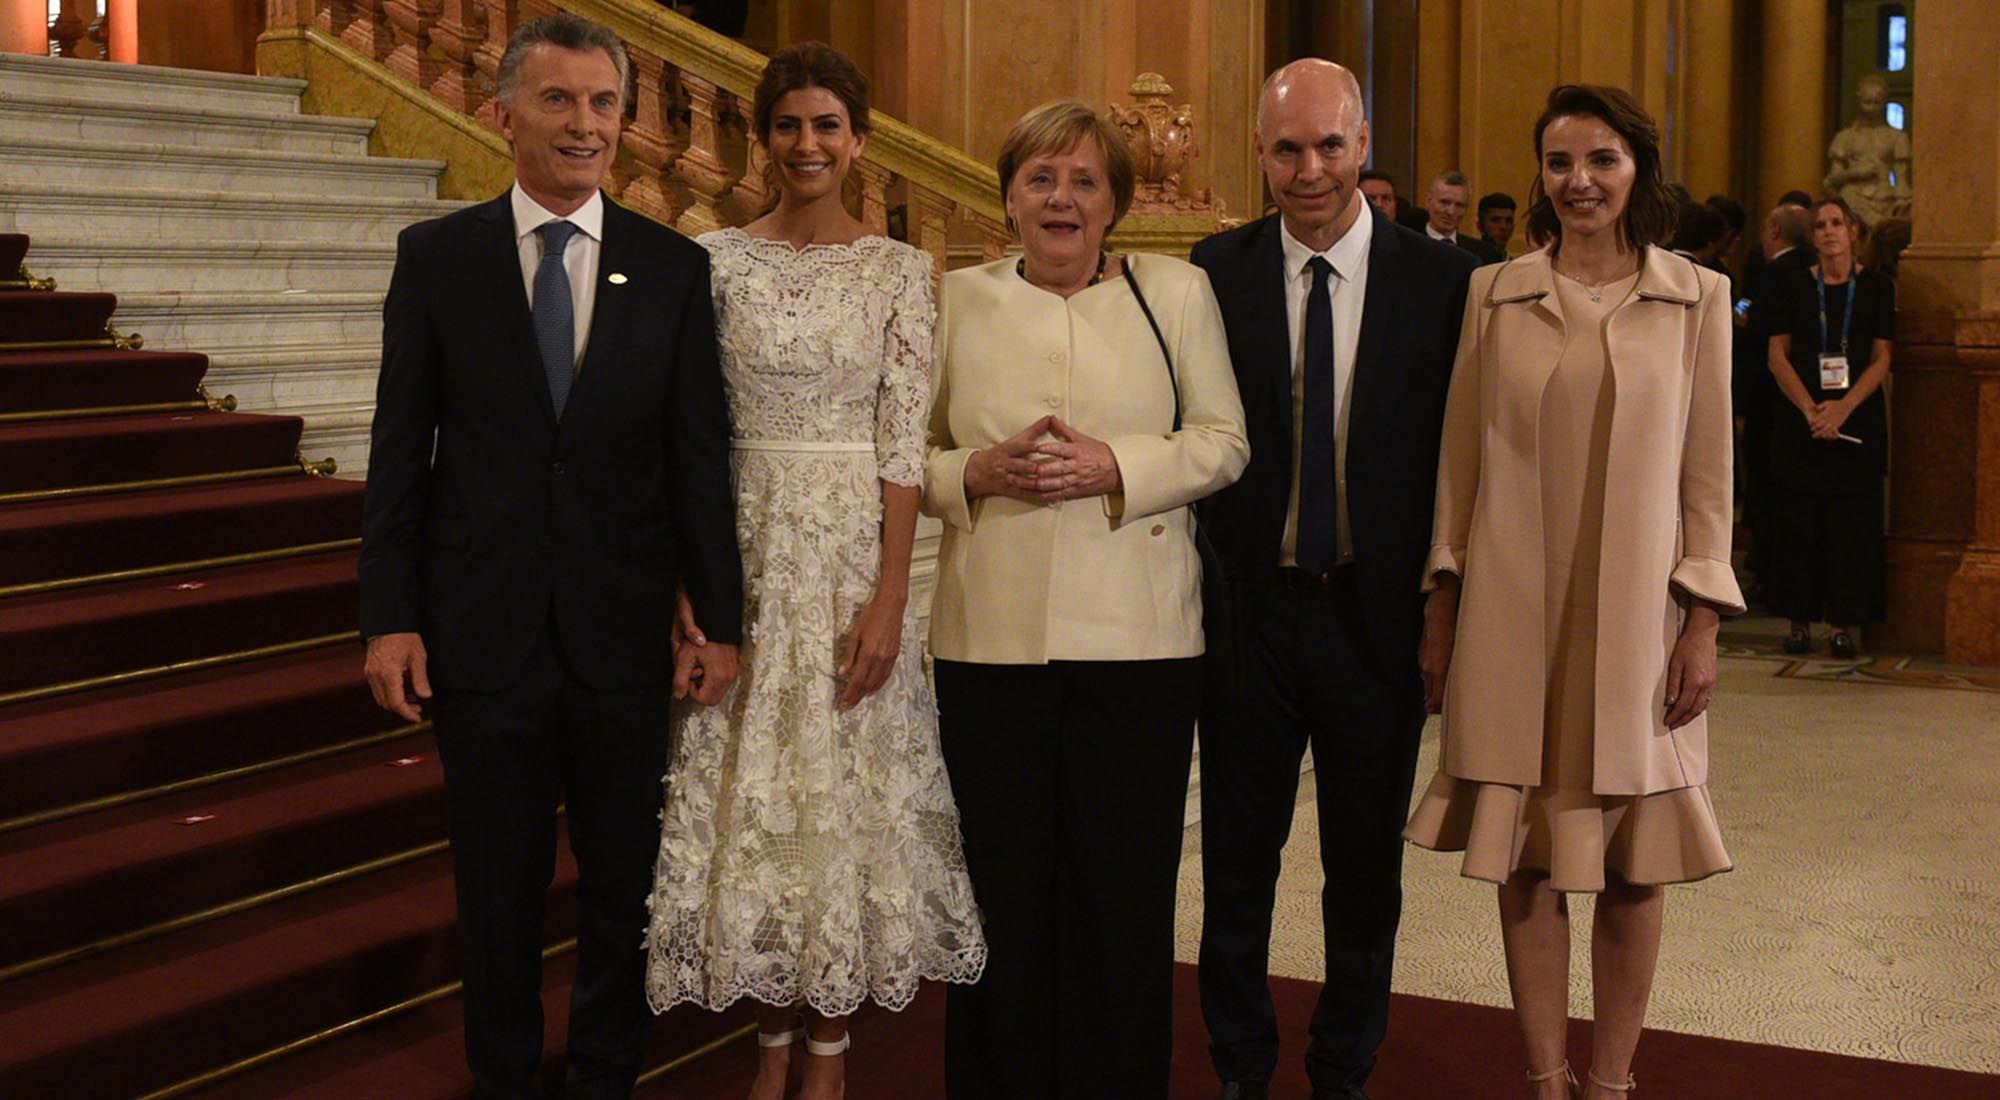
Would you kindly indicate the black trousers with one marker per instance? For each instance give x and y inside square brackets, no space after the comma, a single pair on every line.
[510,758]
[1312,678]
[1829,564]
[1071,783]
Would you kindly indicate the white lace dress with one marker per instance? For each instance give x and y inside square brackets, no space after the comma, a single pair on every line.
[807,852]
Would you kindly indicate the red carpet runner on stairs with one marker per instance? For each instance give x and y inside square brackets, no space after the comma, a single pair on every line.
[222,869]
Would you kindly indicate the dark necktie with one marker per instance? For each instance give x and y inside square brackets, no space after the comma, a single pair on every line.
[1317,492]
[555,312]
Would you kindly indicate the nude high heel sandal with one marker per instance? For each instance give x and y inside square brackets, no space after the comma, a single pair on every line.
[1561,1071]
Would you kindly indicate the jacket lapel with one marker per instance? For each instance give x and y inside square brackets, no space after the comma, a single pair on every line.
[607,311]
[496,259]
[1378,318]
[1274,354]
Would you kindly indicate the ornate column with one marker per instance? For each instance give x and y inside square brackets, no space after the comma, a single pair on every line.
[930,225]
[1944,519]
[1791,121]
[1708,128]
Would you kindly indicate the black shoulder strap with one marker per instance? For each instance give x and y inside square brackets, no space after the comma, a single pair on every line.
[1164,353]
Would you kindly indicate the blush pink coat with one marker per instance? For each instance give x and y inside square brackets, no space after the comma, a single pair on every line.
[1667,519]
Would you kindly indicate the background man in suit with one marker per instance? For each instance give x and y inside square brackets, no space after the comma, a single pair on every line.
[1496,221]
[1449,196]
[549,458]
[1788,249]
[1342,328]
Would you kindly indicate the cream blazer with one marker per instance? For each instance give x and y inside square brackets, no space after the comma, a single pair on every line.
[1110,578]
[1667,519]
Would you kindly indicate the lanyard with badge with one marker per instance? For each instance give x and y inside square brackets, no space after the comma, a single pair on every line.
[1833,368]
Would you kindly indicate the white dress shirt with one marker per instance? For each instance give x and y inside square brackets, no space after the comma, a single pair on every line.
[579,259]
[1347,287]
[1431,231]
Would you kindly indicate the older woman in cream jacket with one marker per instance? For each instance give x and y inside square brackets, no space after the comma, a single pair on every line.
[1085,401]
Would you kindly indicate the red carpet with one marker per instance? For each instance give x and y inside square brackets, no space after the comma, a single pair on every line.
[1436,1050]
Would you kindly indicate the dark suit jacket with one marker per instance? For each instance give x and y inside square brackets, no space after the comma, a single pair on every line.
[1411,315]
[1485,251]
[514,520]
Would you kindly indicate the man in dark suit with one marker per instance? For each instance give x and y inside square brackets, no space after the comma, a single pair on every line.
[1787,250]
[1342,329]
[549,462]
[1445,204]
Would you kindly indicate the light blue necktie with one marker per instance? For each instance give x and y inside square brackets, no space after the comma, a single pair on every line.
[555,313]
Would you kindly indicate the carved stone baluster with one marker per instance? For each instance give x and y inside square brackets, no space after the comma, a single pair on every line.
[994,236]
[752,194]
[930,224]
[368,29]
[459,31]
[501,17]
[708,177]
[650,138]
[410,24]
[326,15]
[875,182]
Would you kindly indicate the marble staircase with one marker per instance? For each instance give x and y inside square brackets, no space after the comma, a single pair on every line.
[226,221]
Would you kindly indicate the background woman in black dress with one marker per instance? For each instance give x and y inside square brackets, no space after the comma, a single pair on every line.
[1830,357]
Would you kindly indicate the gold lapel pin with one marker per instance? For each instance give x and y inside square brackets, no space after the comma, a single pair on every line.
[616,278]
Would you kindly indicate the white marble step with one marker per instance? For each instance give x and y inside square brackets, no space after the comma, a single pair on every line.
[126,213]
[88,164]
[23,74]
[272,376]
[57,118]
[200,322]
[140,266]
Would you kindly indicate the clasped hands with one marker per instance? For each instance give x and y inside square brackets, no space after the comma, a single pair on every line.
[1028,467]
[703,670]
[1827,418]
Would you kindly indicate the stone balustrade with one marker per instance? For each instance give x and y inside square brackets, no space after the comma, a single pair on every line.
[686,157]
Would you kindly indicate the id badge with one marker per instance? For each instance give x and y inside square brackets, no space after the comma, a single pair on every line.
[1833,372]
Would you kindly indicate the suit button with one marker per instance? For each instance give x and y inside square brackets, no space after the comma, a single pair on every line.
[558,469]
[1053,401]
[1159,529]
[1057,356]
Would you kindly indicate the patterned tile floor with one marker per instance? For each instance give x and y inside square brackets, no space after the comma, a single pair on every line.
[1863,916]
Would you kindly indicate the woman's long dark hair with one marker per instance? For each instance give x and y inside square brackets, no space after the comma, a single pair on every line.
[1650,211]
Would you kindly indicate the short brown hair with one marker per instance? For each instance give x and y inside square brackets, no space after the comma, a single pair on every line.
[1846,211]
[1650,211]
[810,65]
[1058,127]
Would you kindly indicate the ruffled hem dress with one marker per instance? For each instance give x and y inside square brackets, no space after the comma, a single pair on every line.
[1562,827]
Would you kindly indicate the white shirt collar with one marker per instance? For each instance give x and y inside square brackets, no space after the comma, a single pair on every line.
[1345,254]
[1431,231]
[529,215]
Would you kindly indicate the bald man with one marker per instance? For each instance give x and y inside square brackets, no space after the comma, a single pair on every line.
[1342,329]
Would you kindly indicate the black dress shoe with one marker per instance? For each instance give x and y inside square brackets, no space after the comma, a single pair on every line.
[1243,1090]
[1841,646]
[1799,642]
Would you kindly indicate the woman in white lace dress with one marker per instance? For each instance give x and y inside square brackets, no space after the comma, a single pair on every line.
[810,851]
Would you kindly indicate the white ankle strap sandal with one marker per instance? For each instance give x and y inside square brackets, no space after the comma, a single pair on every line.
[781,1039]
[828,1050]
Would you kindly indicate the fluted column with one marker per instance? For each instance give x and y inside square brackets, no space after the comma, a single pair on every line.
[1943,551]
[1792,109]
[1709,132]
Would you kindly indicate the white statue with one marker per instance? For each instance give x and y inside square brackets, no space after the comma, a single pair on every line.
[1868,163]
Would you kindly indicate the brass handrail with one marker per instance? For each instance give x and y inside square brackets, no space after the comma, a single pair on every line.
[226,403]
[110,339]
[207,779]
[30,588]
[325,467]
[194,664]
[431,996]
[27,281]
[216,912]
